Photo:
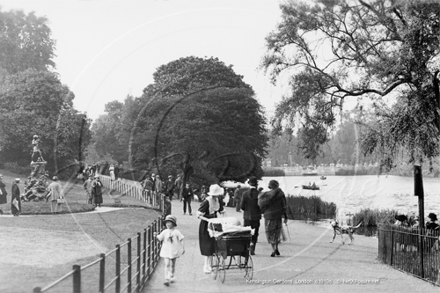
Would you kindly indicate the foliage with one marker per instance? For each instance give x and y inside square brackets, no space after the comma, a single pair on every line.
[272,172]
[338,50]
[210,136]
[25,42]
[35,102]
[309,206]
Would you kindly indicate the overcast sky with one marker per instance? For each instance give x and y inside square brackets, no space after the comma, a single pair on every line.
[107,49]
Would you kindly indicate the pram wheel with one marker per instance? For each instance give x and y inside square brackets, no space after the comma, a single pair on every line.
[248,267]
[214,266]
[220,267]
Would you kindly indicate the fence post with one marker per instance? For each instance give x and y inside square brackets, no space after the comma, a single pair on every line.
[76,278]
[144,249]
[118,269]
[149,252]
[392,246]
[102,273]
[129,265]
[138,268]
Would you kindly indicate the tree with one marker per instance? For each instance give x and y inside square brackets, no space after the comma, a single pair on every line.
[338,50]
[202,119]
[35,102]
[25,42]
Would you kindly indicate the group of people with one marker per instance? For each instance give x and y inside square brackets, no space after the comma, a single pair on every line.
[153,185]
[54,193]
[93,187]
[254,203]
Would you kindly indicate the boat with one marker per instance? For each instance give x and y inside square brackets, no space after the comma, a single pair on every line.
[310,187]
[323,177]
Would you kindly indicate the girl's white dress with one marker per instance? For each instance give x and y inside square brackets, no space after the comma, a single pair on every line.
[171,243]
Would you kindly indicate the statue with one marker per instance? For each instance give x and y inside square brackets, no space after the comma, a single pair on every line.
[36,184]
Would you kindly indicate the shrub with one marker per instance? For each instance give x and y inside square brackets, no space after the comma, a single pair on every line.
[310,206]
[273,172]
[16,168]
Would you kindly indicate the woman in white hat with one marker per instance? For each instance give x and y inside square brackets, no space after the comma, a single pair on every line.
[209,209]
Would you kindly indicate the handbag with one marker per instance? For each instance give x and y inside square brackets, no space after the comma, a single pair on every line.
[61,200]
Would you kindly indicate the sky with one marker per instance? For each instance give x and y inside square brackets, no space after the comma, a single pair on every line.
[108,49]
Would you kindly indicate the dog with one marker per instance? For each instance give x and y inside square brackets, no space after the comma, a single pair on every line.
[349,230]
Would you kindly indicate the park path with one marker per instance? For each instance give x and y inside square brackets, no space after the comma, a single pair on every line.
[306,259]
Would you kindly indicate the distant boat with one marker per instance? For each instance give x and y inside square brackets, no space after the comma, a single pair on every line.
[310,172]
[323,177]
[310,187]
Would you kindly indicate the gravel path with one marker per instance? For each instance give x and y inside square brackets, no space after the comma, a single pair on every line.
[308,263]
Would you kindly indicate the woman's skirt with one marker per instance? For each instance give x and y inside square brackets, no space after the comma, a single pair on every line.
[207,243]
[273,230]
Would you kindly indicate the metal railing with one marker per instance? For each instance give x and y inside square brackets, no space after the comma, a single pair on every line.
[128,266]
[412,250]
[133,189]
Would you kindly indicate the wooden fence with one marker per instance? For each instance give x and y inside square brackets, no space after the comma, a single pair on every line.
[133,189]
[414,251]
[123,269]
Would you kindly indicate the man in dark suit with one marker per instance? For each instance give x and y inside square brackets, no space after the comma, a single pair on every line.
[252,212]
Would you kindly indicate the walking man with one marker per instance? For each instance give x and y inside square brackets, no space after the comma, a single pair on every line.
[169,187]
[252,212]
[178,184]
[237,198]
[187,195]
[55,192]
[15,199]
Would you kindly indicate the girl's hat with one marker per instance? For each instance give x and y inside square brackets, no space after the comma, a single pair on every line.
[171,218]
[215,189]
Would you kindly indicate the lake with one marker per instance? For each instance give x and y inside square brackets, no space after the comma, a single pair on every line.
[353,193]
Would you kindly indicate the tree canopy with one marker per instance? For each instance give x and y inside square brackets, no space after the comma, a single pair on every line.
[198,118]
[35,102]
[338,50]
[25,42]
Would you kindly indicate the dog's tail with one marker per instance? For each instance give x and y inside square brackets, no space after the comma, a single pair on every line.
[358,225]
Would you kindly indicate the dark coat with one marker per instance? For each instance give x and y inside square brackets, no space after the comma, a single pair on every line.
[273,204]
[187,193]
[249,204]
[3,193]
[206,243]
[97,192]
[15,195]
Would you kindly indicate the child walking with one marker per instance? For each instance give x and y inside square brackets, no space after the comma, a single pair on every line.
[172,247]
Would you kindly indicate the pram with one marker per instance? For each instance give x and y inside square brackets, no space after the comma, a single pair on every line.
[230,240]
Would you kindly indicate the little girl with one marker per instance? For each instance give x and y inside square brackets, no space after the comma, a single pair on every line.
[172,247]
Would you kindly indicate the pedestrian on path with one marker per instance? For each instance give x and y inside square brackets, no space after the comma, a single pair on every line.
[15,198]
[273,204]
[252,212]
[209,209]
[88,187]
[187,195]
[237,198]
[172,247]
[56,192]
[97,192]
[3,192]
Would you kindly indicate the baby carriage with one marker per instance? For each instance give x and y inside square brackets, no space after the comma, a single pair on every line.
[233,241]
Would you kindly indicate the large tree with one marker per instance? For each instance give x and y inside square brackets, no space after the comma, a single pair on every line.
[25,42]
[382,50]
[200,118]
[35,102]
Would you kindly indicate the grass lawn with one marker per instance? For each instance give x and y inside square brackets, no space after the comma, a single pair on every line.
[39,247]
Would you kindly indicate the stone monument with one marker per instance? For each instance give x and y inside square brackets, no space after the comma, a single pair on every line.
[36,184]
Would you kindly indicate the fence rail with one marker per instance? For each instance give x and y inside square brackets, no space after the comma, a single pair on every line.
[415,251]
[133,189]
[118,264]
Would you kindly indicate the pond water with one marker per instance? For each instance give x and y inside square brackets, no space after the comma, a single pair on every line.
[353,193]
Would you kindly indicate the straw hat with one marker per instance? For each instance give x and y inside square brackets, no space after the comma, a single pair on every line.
[215,189]
[171,218]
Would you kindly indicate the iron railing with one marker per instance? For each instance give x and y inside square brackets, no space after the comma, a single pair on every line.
[412,250]
[123,269]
